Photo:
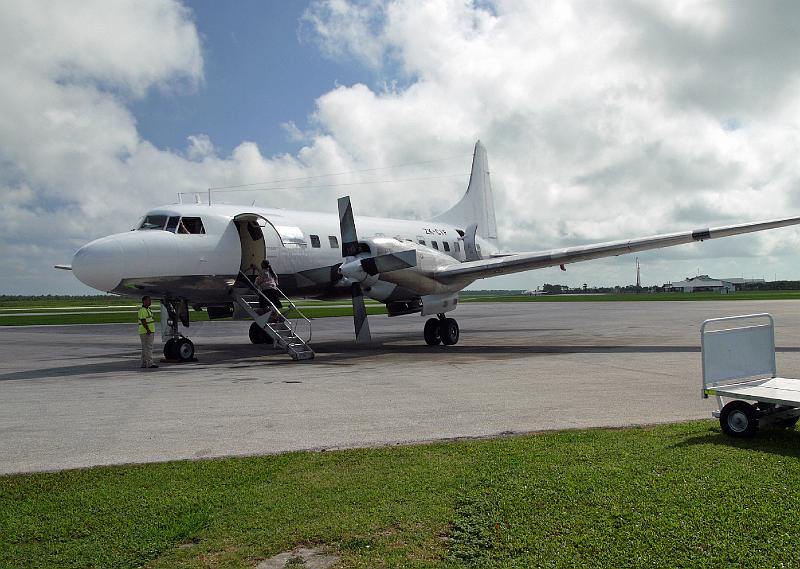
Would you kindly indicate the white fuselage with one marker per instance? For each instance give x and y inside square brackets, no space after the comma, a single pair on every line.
[303,247]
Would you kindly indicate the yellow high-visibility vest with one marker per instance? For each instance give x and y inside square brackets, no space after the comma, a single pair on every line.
[147,315]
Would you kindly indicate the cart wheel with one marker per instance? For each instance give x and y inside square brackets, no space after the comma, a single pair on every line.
[739,419]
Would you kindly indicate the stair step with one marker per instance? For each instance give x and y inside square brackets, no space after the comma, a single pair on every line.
[281,332]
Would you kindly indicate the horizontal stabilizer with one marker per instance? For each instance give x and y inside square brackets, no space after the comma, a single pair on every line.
[63,267]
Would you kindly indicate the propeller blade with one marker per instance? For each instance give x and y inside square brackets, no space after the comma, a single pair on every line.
[347,228]
[360,314]
[350,248]
[390,262]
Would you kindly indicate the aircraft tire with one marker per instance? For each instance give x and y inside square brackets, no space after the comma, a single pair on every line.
[169,349]
[739,419]
[432,335]
[184,349]
[449,331]
[256,334]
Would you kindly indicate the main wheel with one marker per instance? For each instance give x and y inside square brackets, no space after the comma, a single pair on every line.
[739,419]
[184,349]
[258,335]
[169,349]
[448,330]
[432,336]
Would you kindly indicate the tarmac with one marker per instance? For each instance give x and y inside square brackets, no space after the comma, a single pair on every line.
[74,396]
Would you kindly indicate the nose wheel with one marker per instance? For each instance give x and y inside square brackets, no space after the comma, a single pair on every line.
[441,330]
[179,349]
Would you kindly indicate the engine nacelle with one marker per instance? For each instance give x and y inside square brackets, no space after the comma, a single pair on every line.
[420,277]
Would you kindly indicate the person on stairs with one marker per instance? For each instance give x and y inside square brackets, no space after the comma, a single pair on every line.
[267,282]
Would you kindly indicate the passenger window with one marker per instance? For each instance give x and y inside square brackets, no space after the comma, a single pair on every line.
[172,224]
[315,241]
[446,245]
[193,225]
[422,242]
[456,247]
[154,222]
[435,245]
[334,241]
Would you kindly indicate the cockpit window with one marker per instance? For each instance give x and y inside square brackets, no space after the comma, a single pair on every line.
[173,224]
[153,222]
[191,225]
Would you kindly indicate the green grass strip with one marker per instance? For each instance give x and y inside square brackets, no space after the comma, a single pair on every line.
[69,317]
[669,496]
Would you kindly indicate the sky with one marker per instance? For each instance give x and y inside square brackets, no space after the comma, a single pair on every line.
[602,121]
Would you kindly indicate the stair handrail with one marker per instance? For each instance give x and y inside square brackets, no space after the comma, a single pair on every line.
[293,324]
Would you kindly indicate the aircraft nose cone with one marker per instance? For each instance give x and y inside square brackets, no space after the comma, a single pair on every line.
[99,264]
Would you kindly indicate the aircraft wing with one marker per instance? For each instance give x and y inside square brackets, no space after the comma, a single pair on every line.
[527,261]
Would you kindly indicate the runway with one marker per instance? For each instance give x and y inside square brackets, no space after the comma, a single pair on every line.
[74,396]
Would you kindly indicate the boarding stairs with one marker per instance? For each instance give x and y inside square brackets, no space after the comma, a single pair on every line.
[290,333]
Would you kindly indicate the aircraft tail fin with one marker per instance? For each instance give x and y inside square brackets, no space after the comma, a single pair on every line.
[477,204]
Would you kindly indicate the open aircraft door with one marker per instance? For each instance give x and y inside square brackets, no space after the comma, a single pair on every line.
[258,238]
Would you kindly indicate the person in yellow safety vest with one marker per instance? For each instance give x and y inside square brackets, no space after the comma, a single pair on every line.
[147,332]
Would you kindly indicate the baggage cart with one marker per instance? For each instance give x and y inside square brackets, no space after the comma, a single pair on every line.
[739,370]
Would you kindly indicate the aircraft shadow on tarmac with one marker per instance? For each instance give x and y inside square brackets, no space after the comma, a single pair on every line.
[339,353]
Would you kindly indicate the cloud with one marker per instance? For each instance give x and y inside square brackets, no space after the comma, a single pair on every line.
[602,121]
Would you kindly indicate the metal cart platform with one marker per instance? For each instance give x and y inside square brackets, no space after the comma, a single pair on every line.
[739,365]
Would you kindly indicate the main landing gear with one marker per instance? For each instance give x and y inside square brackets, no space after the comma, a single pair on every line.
[258,335]
[441,330]
[178,346]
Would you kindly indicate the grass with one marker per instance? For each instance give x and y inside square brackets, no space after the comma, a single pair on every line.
[59,301]
[668,496]
[60,315]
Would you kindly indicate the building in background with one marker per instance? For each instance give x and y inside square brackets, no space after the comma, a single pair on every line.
[704,283]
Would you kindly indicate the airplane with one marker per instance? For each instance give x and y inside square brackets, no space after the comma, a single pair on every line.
[199,255]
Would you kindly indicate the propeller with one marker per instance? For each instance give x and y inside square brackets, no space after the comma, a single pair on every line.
[359,268]
[351,248]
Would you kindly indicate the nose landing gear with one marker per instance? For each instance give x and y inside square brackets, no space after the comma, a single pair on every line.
[441,330]
[177,346]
